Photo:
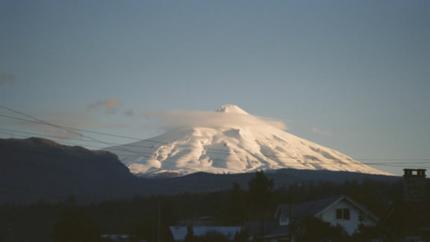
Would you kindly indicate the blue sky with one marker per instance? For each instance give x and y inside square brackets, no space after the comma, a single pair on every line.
[352,75]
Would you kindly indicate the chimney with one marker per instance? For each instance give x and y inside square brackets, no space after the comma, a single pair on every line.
[414,185]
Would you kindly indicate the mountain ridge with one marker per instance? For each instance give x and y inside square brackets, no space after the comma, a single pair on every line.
[35,170]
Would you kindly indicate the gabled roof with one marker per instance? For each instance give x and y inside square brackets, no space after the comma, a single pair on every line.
[317,207]
[355,204]
[310,208]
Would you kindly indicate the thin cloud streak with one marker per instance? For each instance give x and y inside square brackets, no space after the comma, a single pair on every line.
[186,119]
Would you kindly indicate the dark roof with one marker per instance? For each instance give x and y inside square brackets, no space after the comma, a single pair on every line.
[305,209]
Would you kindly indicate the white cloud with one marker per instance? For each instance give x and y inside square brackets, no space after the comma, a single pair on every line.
[184,119]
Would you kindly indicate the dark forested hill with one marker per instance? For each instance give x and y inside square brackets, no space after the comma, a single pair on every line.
[38,169]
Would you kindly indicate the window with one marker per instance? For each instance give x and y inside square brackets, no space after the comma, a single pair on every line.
[343,213]
[346,214]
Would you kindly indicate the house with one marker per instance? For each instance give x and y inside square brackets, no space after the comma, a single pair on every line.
[179,232]
[337,211]
[414,185]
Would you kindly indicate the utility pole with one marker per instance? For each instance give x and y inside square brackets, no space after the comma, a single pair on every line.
[290,213]
[158,221]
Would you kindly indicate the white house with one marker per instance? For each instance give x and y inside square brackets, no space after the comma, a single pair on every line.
[339,210]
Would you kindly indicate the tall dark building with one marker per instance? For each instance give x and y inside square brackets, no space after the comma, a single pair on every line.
[414,185]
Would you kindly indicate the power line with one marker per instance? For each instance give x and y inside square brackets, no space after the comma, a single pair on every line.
[38,121]
[67,128]
[216,159]
[15,132]
[293,162]
[388,161]
[20,133]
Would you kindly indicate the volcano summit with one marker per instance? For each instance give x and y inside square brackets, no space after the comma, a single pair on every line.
[230,140]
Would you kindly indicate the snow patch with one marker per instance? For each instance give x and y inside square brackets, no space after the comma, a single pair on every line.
[230,141]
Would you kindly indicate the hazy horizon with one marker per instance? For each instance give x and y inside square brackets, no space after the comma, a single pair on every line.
[350,75]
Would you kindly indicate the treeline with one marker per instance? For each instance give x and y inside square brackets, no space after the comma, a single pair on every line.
[148,218]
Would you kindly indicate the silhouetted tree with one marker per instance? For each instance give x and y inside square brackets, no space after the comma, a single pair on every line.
[145,230]
[242,236]
[260,192]
[367,233]
[190,234]
[237,210]
[74,225]
[312,230]
[260,197]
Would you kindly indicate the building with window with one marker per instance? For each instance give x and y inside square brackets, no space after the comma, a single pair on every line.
[337,211]
[414,185]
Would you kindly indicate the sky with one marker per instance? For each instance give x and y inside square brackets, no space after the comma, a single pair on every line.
[350,75]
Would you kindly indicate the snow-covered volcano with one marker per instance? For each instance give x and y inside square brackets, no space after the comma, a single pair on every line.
[231,141]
